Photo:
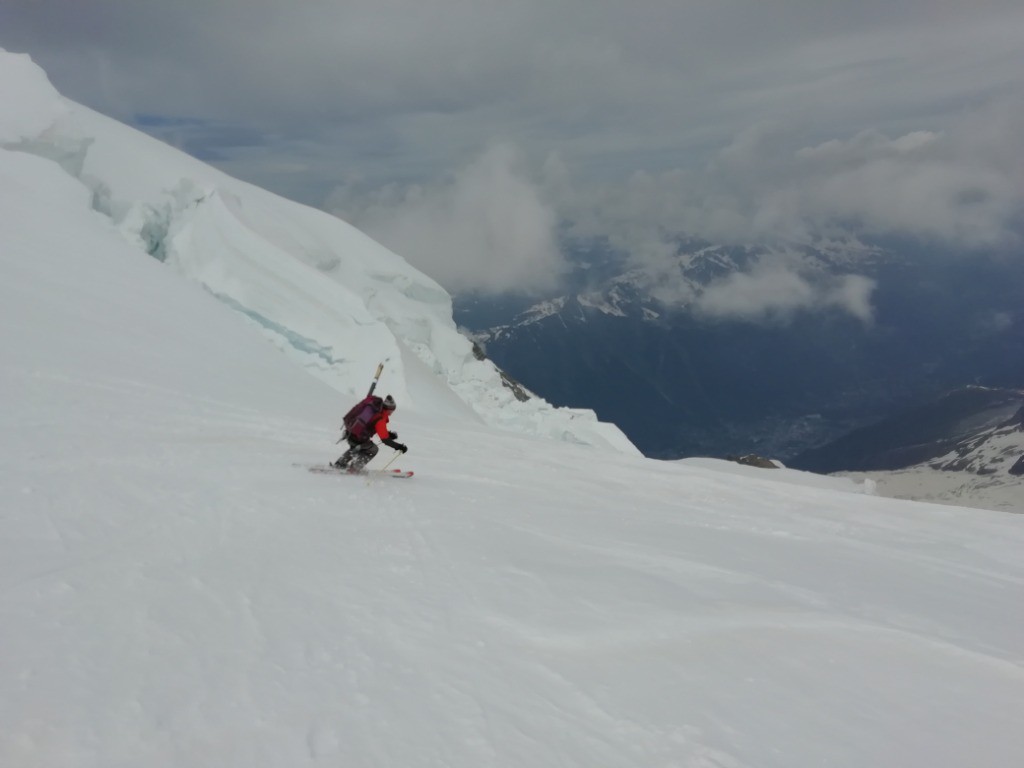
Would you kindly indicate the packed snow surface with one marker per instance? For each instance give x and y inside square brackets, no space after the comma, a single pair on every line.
[175,591]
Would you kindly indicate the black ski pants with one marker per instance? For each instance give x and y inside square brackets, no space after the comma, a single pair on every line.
[358,454]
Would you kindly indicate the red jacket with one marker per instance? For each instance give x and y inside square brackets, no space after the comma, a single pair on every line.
[381,425]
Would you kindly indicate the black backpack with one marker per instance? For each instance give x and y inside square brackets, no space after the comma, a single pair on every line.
[360,419]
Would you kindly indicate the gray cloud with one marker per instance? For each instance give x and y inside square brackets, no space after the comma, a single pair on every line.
[736,120]
[963,187]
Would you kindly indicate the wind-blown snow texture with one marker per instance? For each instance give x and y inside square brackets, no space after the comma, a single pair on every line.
[173,592]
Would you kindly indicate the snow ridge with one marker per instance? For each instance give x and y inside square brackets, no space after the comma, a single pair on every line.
[327,295]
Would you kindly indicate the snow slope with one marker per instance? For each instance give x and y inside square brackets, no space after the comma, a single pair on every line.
[326,294]
[782,474]
[174,592]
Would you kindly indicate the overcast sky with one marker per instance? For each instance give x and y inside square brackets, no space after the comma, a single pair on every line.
[463,133]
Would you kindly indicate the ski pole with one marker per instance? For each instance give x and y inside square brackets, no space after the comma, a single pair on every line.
[392,461]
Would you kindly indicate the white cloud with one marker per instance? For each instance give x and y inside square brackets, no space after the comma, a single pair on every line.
[485,229]
[773,291]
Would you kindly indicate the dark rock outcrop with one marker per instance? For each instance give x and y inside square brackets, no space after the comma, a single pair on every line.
[753,460]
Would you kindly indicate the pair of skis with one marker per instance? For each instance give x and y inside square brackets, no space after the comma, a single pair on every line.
[328,469]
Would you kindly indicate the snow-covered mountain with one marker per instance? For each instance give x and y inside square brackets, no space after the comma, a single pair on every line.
[993,451]
[323,292]
[649,293]
[974,428]
[964,448]
[174,591]
[722,370]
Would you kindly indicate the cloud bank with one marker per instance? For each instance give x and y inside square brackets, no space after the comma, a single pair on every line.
[485,229]
[736,122]
[963,187]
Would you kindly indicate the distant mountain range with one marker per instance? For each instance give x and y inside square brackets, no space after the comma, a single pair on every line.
[965,448]
[683,384]
[975,429]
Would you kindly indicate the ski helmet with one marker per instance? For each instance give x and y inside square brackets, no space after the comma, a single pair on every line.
[389,403]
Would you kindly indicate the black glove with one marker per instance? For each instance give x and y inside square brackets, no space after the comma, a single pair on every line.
[390,442]
[392,435]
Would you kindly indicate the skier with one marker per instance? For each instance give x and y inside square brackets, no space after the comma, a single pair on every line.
[368,417]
